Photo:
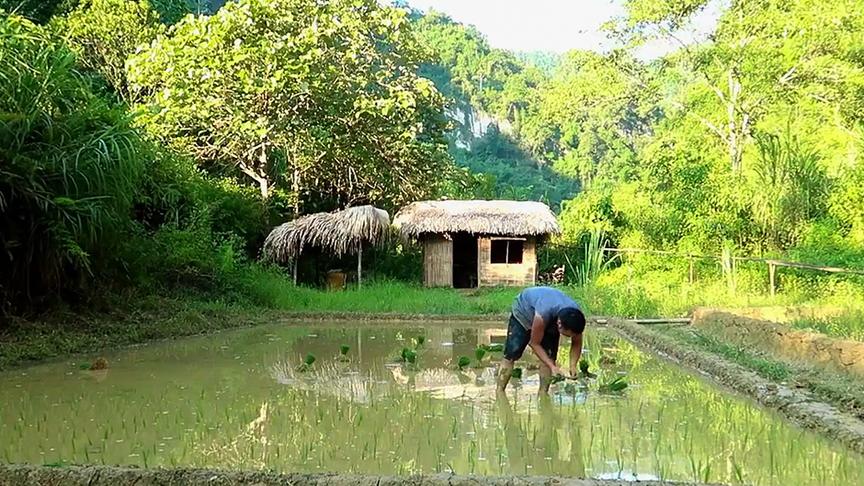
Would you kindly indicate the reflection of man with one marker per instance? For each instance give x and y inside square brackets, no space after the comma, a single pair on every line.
[547,448]
[514,436]
[540,315]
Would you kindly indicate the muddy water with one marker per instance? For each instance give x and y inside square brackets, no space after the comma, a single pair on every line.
[235,400]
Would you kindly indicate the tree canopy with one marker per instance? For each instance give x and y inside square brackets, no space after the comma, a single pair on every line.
[179,131]
[305,97]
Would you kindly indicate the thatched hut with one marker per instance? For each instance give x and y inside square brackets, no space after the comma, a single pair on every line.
[339,233]
[477,243]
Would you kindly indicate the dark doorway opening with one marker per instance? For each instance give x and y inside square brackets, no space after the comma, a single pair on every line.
[464,261]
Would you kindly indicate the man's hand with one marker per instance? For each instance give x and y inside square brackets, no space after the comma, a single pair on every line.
[556,371]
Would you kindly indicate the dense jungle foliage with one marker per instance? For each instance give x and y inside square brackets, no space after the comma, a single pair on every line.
[153,144]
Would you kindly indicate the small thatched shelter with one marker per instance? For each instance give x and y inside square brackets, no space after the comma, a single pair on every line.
[341,232]
[477,243]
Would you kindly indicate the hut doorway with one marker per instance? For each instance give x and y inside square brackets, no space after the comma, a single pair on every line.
[464,261]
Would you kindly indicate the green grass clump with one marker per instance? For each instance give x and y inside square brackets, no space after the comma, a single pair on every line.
[463,362]
[516,373]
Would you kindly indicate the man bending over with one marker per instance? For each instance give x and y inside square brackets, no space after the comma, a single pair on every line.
[539,317]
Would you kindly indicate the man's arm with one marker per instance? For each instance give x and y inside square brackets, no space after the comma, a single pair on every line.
[575,354]
[538,328]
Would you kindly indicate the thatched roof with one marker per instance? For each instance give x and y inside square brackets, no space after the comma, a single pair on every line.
[339,232]
[501,218]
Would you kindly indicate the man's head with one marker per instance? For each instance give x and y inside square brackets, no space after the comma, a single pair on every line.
[571,321]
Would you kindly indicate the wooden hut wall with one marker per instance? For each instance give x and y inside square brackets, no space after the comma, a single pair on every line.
[437,261]
[512,274]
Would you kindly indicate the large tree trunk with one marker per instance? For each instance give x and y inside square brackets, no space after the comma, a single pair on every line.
[359,265]
[264,185]
[260,178]
[737,132]
[295,186]
[262,168]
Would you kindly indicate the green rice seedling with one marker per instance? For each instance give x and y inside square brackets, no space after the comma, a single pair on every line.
[419,341]
[343,353]
[307,363]
[495,347]
[616,385]
[555,379]
[463,362]
[516,373]
[479,354]
[583,366]
[408,355]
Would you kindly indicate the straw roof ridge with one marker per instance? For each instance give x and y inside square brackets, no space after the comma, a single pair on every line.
[499,218]
[339,232]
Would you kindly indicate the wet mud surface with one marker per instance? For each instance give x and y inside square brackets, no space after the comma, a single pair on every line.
[116,476]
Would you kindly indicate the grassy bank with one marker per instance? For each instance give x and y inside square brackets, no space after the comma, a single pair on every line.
[251,295]
[132,318]
[137,316]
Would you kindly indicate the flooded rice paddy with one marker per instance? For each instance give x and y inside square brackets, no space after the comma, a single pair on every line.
[236,400]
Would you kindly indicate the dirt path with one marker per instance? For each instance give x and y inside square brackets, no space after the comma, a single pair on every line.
[798,405]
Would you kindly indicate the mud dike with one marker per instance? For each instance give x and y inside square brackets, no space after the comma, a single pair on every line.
[843,355]
[797,405]
[115,476]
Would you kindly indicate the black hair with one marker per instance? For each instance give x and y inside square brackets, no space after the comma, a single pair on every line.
[572,319]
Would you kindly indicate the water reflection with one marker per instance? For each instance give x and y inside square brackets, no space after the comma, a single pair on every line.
[237,400]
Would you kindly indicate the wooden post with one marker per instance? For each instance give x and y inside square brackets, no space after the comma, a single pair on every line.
[359,265]
[772,270]
[294,269]
[692,270]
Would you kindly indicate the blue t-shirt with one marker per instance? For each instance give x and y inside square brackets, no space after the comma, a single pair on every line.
[545,301]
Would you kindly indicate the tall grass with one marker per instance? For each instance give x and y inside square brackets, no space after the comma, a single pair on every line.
[846,325]
[71,164]
[594,261]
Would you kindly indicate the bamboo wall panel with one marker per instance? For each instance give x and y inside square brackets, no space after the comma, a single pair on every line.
[437,262]
[517,274]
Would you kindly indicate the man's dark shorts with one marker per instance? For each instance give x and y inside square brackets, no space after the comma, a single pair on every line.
[518,338]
